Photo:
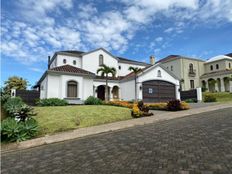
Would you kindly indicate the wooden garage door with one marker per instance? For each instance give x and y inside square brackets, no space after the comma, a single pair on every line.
[158,91]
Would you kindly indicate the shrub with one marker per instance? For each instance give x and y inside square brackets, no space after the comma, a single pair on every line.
[52,102]
[17,109]
[120,103]
[210,98]
[136,113]
[184,106]
[4,96]
[157,106]
[12,105]
[142,107]
[192,100]
[93,101]
[174,105]
[12,130]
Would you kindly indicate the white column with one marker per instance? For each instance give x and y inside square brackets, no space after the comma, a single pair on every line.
[230,82]
[207,85]
[119,93]
[94,91]
[139,91]
[111,94]
[177,87]
[222,85]
[199,94]
[216,86]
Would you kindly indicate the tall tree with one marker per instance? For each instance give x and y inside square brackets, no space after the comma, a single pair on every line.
[105,72]
[16,83]
[135,70]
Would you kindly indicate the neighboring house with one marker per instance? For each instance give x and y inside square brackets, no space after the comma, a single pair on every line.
[187,69]
[218,74]
[213,74]
[71,75]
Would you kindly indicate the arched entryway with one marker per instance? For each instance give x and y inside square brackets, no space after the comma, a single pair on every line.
[101,92]
[204,87]
[115,92]
[212,84]
[72,87]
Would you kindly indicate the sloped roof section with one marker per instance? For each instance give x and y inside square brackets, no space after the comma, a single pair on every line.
[125,60]
[168,58]
[174,57]
[229,54]
[71,69]
[81,53]
[217,58]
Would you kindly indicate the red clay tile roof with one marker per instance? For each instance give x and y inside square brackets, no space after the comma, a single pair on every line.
[71,69]
[170,57]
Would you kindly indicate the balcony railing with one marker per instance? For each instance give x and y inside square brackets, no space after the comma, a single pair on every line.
[192,73]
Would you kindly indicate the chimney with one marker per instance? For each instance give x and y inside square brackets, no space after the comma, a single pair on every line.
[49,59]
[152,60]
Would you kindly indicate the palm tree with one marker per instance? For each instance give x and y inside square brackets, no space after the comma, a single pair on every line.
[105,71]
[135,70]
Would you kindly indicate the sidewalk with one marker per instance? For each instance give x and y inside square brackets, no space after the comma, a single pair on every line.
[77,133]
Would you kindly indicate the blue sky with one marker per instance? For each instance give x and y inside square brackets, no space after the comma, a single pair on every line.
[32,30]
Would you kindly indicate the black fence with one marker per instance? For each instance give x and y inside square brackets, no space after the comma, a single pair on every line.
[190,94]
[28,96]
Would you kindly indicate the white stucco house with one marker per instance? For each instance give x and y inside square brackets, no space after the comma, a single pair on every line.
[71,75]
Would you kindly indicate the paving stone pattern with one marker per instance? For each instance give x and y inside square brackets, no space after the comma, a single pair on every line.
[200,144]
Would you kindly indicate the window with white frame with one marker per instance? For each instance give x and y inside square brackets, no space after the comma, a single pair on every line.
[158,73]
[101,61]
[150,90]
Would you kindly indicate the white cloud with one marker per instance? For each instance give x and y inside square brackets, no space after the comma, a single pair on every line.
[38,11]
[40,28]
[159,39]
[36,69]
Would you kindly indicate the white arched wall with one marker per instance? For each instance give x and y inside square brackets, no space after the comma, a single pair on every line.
[128,87]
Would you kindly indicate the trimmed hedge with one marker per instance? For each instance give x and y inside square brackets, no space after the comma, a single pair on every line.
[93,101]
[51,102]
[210,98]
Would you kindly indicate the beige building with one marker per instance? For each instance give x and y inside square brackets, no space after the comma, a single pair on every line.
[218,74]
[213,75]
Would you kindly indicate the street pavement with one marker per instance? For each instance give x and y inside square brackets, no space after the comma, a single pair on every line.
[195,144]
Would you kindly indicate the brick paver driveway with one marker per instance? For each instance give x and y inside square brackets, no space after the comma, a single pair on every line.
[196,144]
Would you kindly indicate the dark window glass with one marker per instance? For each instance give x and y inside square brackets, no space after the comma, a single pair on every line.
[74,62]
[192,84]
[229,65]
[119,67]
[217,66]
[191,67]
[171,68]
[64,61]
[211,67]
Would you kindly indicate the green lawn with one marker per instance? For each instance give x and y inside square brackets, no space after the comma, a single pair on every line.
[221,96]
[61,118]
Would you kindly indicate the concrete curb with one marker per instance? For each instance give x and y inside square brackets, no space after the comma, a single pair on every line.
[82,132]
